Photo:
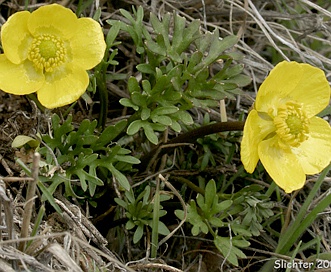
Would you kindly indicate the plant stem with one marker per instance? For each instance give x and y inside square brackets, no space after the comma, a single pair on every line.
[189,137]
[31,190]
[103,93]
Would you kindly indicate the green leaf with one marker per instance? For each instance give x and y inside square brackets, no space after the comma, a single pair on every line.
[179,214]
[146,86]
[162,228]
[129,225]
[128,103]
[145,68]
[171,95]
[123,181]
[156,47]
[49,197]
[210,194]
[121,202]
[224,205]
[139,99]
[145,113]
[138,234]
[164,110]
[133,85]
[127,159]
[161,28]
[228,250]
[162,119]
[178,37]
[176,126]
[217,222]
[194,61]
[239,80]
[149,132]
[22,140]
[191,33]
[127,15]
[65,128]
[134,127]
[112,34]
[160,85]
[109,134]
[183,116]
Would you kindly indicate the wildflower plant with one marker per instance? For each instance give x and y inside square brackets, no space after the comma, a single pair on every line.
[50,57]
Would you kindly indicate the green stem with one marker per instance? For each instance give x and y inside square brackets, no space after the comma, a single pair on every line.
[156,218]
[103,93]
[36,101]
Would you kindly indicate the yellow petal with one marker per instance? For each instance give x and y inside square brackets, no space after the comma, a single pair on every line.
[15,37]
[19,79]
[255,130]
[88,45]
[53,19]
[297,81]
[282,165]
[63,86]
[315,153]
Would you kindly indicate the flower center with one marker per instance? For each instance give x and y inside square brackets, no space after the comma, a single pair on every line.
[47,52]
[291,124]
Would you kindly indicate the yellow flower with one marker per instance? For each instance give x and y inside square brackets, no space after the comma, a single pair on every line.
[282,129]
[48,51]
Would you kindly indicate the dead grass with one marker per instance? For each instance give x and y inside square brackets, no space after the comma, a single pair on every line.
[269,32]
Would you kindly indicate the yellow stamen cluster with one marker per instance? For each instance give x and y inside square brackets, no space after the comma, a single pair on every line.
[47,52]
[291,124]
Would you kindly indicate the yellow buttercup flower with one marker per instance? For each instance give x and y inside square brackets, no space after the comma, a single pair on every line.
[282,130]
[49,52]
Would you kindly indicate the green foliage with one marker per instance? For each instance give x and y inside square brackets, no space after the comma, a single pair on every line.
[175,72]
[139,212]
[240,214]
[82,154]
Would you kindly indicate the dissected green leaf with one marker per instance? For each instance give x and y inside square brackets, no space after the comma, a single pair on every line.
[226,246]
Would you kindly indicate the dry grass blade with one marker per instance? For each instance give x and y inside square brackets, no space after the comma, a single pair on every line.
[13,254]
[4,267]
[8,213]
[31,191]
[62,255]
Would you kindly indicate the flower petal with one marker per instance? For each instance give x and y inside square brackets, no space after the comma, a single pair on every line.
[296,81]
[53,19]
[19,79]
[63,86]
[15,37]
[282,165]
[315,153]
[88,45]
[255,130]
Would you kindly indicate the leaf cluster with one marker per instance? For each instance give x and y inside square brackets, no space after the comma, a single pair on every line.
[175,69]
[239,214]
[139,212]
[84,154]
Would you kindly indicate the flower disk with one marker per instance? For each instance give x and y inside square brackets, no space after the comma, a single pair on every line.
[49,52]
[282,130]
[291,124]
